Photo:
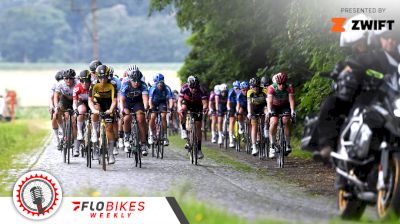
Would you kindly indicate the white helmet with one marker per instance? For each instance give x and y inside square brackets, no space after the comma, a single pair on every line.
[349,36]
[216,88]
[133,68]
[274,78]
[223,87]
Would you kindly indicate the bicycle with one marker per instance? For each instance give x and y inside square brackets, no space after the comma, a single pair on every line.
[103,141]
[192,139]
[67,142]
[159,142]
[204,127]
[280,143]
[135,141]
[87,140]
[247,136]
[225,131]
[237,136]
[262,142]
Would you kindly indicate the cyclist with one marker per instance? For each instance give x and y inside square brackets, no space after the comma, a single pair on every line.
[92,68]
[280,101]
[160,99]
[134,98]
[241,106]
[59,77]
[193,97]
[231,106]
[265,81]
[80,104]
[213,113]
[256,102]
[63,97]
[221,99]
[102,98]
[174,108]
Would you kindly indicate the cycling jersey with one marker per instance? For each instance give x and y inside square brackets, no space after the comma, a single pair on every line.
[257,99]
[190,97]
[241,98]
[116,83]
[64,89]
[80,93]
[133,95]
[160,96]
[102,95]
[280,97]
[232,96]
[53,88]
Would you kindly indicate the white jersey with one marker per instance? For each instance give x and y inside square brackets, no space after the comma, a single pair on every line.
[65,90]
[53,87]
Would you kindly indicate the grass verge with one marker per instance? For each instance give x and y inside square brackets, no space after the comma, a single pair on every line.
[17,139]
[213,154]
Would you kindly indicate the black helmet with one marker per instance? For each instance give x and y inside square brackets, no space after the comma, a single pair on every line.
[94,64]
[265,81]
[102,71]
[193,81]
[84,76]
[135,75]
[254,82]
[69,73]
[59,75]
[111,72]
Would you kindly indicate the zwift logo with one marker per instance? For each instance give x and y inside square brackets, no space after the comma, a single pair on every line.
[338,24]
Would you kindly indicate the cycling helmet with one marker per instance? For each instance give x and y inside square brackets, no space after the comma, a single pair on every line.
[274,78]
[158,77]
[135,76]
[244,85]
[236,84]
[254,82]
[102,71]
[216,88]
[193,81]
[223,87]
[176,92]
[133,68]
[265,81]
[349,37]
[84,76]
[94,64]
[69,73]
[59,75]
[281,78]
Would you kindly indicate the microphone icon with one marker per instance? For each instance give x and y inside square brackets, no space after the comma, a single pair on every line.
[37,198]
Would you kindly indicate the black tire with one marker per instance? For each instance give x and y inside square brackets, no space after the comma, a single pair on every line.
[350,208]
[261,153]
[161,147]
[388,200]
[281,147]
[88,144]
[152,150]
[103,147]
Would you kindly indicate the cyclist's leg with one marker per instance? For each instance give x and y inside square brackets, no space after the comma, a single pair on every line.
[214,129]
[152,125]
[127,128]
[253,123]
[95,123]
[286,123]
[163,109]
[110,137]
[240,115]
[182,118]
[82,109]
[198,118]
[220,115]
[54,125]
[232,124]
[273,124]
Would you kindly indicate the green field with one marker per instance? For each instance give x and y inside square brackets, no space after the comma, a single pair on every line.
[18,139]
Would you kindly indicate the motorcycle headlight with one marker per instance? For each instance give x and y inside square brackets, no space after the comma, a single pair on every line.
[396,110]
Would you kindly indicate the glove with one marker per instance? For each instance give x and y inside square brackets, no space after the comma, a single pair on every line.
[293,114]
[76,112]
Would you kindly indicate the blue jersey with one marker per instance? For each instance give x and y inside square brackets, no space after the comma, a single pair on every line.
[232,96]
[160,96]
[116,83]
[133,95]
[241,98]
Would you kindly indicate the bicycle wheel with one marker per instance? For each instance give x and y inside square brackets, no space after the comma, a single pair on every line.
[226,131]
[103,145]
[282,145]
[204,125]
[88,145]
[261,153]
[247,138]
[161,151]
[69,139]
[195,146]
[137,148]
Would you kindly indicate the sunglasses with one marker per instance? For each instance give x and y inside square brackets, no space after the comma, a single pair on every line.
[68,78]
[102,77]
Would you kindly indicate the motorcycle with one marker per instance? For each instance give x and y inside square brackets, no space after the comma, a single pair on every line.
[367,158]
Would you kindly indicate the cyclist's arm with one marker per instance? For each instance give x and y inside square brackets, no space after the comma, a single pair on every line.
[292,102]
[205,104]
[249,106]
[171,103]
[228,104]
[269,103]
[51,102]
[56,98]
[123,99]
[145,98]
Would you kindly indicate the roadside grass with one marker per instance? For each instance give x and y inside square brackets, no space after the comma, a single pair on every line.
[17,139]
[213,154]
[32,113]
[297,151]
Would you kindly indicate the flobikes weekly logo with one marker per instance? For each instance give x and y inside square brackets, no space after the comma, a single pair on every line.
[108,209]
[37,195]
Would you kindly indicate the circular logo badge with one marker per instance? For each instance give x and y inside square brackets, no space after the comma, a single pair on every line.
[37,195]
